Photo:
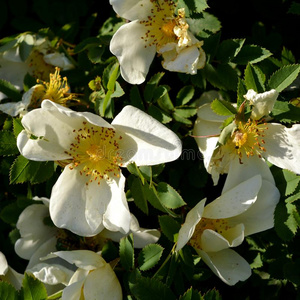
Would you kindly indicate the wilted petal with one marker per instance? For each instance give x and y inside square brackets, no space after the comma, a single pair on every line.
[229,266]
[133,54]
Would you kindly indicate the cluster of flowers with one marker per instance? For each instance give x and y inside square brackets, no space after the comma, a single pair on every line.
[89,200]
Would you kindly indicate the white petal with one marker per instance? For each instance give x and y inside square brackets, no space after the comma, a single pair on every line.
[185,61]
[84,259]
[260,216]
[54,124]
[250,167]
[32,229]
[3,264]
[211,241]
[229,266]
[145,140]
[133,54]
[117,216]
[283,146]
[102,284]
[235,201]
[262,102]
[132,9]
[73,291]
[59,60]
[187,229]
[68,203]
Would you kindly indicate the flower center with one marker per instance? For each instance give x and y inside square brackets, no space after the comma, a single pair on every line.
[55,90]
[95,152]
[218,225]
[160,24]
[247,139]
[38,67]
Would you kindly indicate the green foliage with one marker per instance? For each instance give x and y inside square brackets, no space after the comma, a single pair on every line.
[149,256]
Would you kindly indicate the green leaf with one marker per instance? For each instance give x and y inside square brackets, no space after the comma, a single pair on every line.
[170,227]
[285,112]
[207,22]
[146,288]
[127,252]
[294,8]
[164,100]
[138,193]
[251,54]
[191,294]
[26,46]
[253,79]
[33,289]
[9,90]
[150,256]
[182,114]
[8,143]
[7,291]
[228,49]
[23,170]
[283,77]
[292,181]
[241,91]
[159,114]
[151,86]
[135,98]
[168,196]
[185,95]
[223,107]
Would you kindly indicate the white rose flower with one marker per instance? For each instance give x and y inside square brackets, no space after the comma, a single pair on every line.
[89,194]
[154,28]
[246,206]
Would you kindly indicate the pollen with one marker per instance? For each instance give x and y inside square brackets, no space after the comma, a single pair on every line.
[56,90]
[218,225]
[95,153]
[248,139]
[162,25]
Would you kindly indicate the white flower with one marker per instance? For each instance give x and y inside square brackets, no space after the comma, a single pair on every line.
[89,194]
[246,206]
[8,274]
[39,63]
[262,103]
[245,138]
[56,90]
[154,28]
[93,279]
[38,238]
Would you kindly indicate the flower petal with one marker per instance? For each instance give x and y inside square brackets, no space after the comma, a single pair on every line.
[68,203]
[145,140]
[102,284]
[3,264]
[73,291]
[32,229]
[234,201]
[132,9]
[283,146]
[229,266]
[53,126]
[212,241]
[133,54]
[187,229]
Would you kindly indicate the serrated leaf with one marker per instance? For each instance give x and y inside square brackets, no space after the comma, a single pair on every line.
[285,112]
[23,170]
[251,54]
[207,22]
[254,79]
[191,294]
[10,91]
[159,114]
[150,256]
[8,143]
[127,252]
[223,108]
[138,192]
[168,196]
[228,49]
[170,227]
[282,78]
[292,181]
[7,291]
[146,288]
[135,98]
[151,85]
[33,289]
[185,95]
